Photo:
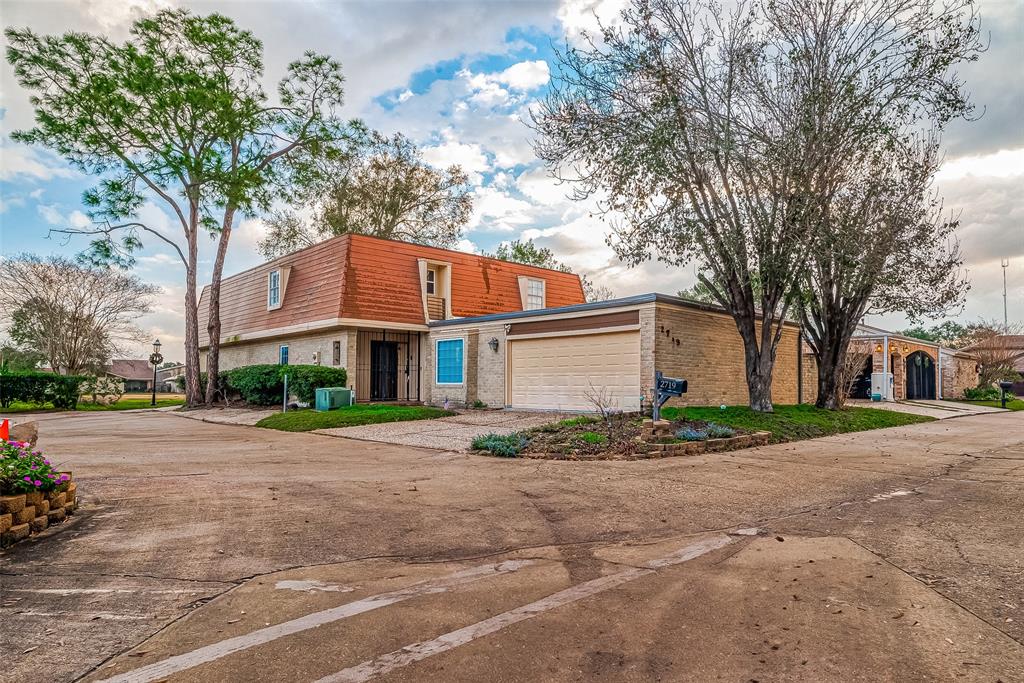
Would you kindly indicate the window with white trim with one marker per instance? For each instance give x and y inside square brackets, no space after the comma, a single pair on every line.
[449,361]
[534,294]
[274,289]
[431,281]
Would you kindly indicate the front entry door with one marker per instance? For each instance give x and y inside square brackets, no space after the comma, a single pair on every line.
[383,370]
[920,376]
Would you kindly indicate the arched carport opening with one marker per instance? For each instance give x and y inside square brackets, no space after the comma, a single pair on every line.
[860,387]
[920,376]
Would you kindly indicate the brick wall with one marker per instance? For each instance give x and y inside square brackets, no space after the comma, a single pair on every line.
[709,355]
[485,369]
[958,373]
[300,350]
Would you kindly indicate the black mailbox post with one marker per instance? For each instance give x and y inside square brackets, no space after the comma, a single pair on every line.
[664,389]
[1003,388]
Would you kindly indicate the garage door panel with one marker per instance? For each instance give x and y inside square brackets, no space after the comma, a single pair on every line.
[556,372]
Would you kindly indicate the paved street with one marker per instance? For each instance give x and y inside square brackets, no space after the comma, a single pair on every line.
[209,552]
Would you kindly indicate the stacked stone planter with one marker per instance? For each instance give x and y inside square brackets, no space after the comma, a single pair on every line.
[654,432]
[665,450]
[24,514]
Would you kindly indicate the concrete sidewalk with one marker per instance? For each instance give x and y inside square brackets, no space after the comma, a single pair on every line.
[455,433]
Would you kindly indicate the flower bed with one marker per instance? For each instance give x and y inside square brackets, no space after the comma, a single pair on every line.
[626,437]
[33,493]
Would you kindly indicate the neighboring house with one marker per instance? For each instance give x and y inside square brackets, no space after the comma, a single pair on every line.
[366,304]
[166,378]
[137,374]
[1010,347]
[920,369]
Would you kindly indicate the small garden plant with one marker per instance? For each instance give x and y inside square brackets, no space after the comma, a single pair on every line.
[23,470]
[709,431]
[501,445]
[592,438]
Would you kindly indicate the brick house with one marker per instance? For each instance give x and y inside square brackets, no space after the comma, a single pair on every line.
[921,370]
[366,304]
[135,373]
[416,323]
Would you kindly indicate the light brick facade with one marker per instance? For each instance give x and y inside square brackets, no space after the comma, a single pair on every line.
[301,350]
[484,378]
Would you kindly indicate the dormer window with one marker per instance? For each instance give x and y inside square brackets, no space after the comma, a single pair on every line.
[431,282]
[534,294]
[273,290]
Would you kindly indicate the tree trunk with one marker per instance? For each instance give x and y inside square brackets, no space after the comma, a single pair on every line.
[759,363]
[830,380]
[193,395]
[213,321]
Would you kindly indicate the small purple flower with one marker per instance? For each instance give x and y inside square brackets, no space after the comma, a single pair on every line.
[45,462]
[38,483]
[28,478]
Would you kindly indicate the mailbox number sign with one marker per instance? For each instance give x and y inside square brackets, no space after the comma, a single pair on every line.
[664,389]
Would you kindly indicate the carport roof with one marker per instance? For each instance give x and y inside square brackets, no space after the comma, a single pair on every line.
[625,302]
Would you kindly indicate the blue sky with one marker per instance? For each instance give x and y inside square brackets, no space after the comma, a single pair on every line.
[459,78]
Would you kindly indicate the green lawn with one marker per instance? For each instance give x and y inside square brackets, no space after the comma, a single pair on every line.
[351,416]
[124,404]
[793,423]
[1014,404]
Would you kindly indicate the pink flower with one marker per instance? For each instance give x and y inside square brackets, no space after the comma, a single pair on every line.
[28,478]
[38,483]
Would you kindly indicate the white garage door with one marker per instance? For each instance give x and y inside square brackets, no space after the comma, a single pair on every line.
[554,373]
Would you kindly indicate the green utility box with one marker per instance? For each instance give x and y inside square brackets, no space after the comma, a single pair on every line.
[329,398]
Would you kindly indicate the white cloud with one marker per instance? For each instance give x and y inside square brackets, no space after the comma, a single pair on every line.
[1002,164]
[587,16]
[467,246]
[18,161]
[498,211]
[525,75]
[470,156]
[50,214]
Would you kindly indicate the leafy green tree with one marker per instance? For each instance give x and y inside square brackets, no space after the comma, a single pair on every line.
[175,115]
[16,359]
[377,185]
[950,333]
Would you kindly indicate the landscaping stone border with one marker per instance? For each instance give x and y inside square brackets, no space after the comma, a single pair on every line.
[24,514]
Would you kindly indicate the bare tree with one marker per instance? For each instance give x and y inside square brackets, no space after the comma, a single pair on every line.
[603,401]
[723,137]
[686,119]
[853,364]
[997,348]
[377,186]
[75,317]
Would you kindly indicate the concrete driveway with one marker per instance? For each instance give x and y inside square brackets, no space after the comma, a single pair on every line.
[224,553]
[454,433]
[940,410]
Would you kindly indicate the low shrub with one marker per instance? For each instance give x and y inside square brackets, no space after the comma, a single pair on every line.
[717,431]
[39,388]
[23,470]
[711,430]
[304,380]
[592,438]
[984,394]
[258,384]
[691,434]
[478,405]
[103,389]
[501,445]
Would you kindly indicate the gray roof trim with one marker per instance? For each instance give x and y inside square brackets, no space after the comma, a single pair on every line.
[635,300]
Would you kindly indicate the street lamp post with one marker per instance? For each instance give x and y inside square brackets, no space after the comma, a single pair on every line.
[155,359]
[1006,320]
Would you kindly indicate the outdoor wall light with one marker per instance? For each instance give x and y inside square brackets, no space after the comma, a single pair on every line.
[493,343]
[878,348]
[905,348]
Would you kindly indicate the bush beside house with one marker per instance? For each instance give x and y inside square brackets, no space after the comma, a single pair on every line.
[263,385]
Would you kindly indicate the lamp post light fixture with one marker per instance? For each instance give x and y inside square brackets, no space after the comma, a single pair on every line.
[155,359]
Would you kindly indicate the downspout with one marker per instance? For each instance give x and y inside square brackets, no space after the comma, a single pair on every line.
[800,366]
[885,366]
[940,373]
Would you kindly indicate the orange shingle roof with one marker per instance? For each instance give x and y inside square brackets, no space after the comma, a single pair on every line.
[360,277]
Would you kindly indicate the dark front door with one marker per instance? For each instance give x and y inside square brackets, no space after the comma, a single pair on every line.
[920,376]
[861,385]
[383,370]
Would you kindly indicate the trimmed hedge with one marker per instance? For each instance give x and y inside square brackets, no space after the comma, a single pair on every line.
[264,384]
[39,388]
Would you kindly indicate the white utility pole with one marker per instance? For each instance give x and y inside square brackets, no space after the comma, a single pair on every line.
[1006,321]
